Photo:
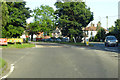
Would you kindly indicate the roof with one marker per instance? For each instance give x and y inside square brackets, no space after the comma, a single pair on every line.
[93,28]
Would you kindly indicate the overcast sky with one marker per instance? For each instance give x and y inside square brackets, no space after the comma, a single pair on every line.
[100,8]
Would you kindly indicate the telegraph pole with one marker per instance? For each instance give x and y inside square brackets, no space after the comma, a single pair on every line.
[107,22]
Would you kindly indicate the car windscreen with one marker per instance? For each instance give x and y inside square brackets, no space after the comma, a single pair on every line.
[111,38]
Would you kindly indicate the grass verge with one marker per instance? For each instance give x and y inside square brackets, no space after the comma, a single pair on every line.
[24,45]
[72,43]
[2,63]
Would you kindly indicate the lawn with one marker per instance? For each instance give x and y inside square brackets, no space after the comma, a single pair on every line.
[75,44]
[2,63]
[72,43]
[24,45]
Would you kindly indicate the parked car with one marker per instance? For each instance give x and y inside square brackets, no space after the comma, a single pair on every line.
[65,39]
[111,41]
[57,39]
[49,39]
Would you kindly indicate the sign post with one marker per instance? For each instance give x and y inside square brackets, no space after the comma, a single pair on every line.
[87,41]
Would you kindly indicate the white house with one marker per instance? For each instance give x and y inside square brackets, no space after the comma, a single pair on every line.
[57,33]
[91,31]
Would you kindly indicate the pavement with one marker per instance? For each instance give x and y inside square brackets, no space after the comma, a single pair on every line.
[51,60]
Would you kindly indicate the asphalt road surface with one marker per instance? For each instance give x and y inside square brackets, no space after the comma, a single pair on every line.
[101,46]
[59,61]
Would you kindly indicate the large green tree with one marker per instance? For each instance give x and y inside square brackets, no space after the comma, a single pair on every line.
[100,36]
[5,17]
[15,24]
[115,30]
[72,17]
[46,18]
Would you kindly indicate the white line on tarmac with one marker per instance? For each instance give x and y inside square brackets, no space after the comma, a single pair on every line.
[11,70]
[12,66]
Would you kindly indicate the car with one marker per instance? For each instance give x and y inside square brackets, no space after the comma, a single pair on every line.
[49,39]
[65,39]
[111,41]
[57,40]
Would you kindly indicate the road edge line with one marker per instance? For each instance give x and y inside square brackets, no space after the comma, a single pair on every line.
[11,70]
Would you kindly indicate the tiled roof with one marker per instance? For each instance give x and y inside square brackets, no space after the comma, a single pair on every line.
[93,28]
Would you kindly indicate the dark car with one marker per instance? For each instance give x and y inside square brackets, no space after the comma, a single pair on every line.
[111,41]
[50,39]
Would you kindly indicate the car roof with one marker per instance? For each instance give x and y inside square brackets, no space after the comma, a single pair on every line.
[110,36]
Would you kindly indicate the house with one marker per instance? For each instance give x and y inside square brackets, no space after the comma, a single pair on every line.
[91,31]
[57,33]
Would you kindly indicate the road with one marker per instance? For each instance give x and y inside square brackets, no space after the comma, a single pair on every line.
[60,61]
[101,46]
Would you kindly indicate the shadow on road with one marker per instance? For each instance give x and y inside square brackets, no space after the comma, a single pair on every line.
[101,46]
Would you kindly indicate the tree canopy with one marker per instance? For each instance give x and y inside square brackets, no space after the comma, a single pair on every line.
[14,15]
[45,16]
[101,34]
[115,30]
[72,17]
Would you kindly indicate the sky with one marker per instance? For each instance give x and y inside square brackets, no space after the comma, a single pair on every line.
[100,8]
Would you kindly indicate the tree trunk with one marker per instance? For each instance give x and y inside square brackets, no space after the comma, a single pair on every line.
[32,37]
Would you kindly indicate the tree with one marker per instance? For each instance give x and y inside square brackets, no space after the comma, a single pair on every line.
[116,30]
[18,14]
[73,16]
[98,25]
[101,34]
[5,17]
[45,16]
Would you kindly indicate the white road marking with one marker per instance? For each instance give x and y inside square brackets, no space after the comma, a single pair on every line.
[12,66]
[11,70]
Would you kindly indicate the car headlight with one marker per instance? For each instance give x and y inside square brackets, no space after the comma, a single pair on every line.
[116,40]
[108,41]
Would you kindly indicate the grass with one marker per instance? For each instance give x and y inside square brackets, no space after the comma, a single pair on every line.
[75,44]
[24,45]
[2,63]
[72,43]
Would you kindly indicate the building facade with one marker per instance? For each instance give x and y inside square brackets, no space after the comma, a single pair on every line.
[91,31]
[119,10]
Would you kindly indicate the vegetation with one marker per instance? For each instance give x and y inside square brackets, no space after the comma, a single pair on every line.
[24,45]
[14,15]
[44,20]
[2,63]
[115,30]
[101,34]
[72,17]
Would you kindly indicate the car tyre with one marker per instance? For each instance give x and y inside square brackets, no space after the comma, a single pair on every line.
[116,45]
[107,45]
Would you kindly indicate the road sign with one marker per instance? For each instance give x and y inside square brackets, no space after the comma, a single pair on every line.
[87,42]
[3,41]
[14,40]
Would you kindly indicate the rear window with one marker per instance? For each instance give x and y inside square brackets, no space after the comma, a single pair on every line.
[111,38]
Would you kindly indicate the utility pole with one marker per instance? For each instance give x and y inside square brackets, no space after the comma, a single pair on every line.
[100,18]
[107,22]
